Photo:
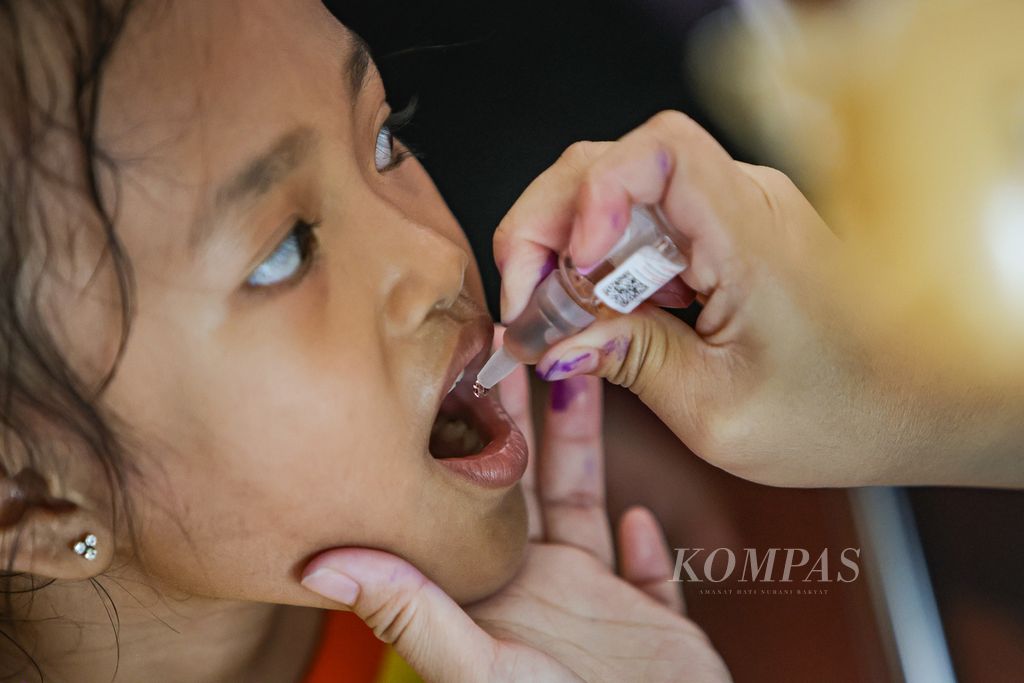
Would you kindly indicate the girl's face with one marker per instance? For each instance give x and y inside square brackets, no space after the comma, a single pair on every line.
[282,379]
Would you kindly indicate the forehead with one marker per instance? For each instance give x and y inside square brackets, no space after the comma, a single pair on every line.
[191,60]
[194,87]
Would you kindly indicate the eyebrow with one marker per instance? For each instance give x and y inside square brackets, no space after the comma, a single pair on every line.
[288,152]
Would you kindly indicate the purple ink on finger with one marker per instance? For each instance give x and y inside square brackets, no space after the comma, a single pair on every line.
[550,263]
[617,347]
[559,369]
[664,162]
[619,220]
[565,390]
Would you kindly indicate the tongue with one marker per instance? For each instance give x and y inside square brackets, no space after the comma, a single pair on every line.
[452,437]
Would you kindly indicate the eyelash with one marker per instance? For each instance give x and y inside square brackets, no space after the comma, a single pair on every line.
[305,231]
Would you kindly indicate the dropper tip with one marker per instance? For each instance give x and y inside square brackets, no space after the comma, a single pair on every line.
[499,366]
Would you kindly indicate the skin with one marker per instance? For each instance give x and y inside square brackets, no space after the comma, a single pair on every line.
[567,615]
[789,377]
[272,430]
[267,425]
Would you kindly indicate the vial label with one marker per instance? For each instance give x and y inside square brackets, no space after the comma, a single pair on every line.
[637,278]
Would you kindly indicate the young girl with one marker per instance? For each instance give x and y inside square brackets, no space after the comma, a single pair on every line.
[234,309]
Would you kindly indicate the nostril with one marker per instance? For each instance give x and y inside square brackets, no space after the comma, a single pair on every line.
[449,300]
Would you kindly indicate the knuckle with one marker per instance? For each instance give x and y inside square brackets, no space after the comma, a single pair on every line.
[672,122]
[500,240]
[643,358]
[580,153]
[392,619]
[773,187]
[509,231]
[778,182]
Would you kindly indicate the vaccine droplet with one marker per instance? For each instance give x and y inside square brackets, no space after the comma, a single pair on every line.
[479,390]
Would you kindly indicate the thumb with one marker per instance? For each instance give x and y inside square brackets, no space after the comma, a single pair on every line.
[650,352]
[404,608]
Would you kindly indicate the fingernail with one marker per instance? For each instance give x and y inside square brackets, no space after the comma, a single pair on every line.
[571,364]
[333,585]
[577,241]
[674,300]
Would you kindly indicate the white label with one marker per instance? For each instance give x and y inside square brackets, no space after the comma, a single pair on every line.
[637,278]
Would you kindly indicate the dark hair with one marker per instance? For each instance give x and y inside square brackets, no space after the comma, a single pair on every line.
[52,54]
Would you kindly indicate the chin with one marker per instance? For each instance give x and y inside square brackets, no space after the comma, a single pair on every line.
[493,560]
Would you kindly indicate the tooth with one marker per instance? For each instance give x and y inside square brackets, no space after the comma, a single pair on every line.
[457,380]
[453,431]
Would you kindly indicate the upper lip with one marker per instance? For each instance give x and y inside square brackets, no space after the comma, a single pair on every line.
[473,341]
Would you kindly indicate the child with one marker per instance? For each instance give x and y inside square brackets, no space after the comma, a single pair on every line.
[234,308]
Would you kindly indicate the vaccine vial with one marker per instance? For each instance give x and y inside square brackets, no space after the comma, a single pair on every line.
[568,301]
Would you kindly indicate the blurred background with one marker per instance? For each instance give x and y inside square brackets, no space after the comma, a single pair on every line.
[903,121]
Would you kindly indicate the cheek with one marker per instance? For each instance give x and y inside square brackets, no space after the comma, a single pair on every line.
[263,429]
[294,467]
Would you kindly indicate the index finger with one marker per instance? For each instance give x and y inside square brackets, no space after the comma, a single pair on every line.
[571,468]
[537,227]
[672,162]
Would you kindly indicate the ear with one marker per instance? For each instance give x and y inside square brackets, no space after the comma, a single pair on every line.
[42,530]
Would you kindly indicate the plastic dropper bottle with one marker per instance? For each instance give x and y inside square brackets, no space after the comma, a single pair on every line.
[567,301]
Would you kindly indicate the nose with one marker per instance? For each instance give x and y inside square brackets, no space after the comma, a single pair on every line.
[428,275]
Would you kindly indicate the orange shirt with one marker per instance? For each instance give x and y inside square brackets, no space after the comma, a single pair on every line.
[349,652]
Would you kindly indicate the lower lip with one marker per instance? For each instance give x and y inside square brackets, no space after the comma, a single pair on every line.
[502,462]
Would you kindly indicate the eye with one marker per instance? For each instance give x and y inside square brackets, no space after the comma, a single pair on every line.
[384,149]
[290,260]
[388,155]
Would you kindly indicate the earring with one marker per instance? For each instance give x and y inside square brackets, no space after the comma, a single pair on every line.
[87,547]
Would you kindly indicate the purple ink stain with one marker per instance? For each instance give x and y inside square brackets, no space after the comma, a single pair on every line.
[564,391]
[618,347]
[619,220]
[563,367]
[664,162]
[549,265]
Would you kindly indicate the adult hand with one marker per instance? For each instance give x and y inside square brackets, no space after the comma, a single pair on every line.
[567,615]
[780,381]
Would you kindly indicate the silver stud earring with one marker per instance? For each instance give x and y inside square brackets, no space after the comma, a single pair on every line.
[87,547]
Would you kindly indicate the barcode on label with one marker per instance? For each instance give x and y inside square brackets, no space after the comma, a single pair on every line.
[637,278]
[625,289]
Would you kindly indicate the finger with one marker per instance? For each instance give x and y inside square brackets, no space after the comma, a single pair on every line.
[655,355]
[674,294]
[537,226]
[571,469]
[673,162]
[514,394]
[404,609]
[644,557]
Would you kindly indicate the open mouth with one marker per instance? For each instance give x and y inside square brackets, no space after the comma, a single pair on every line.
[473,437]
[458,430]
